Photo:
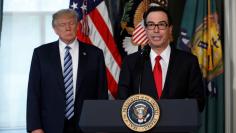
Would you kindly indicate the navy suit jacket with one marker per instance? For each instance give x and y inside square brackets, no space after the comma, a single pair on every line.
[183,79]
[46,92]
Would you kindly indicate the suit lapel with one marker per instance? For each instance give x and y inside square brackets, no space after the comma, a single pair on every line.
[56,61]
[167,90]
[83,60]
[149,83]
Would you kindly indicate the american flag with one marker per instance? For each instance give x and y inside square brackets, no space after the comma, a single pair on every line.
[139,35]
[95,28]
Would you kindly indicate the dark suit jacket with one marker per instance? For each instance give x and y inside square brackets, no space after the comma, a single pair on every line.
[46,92]
[183,79]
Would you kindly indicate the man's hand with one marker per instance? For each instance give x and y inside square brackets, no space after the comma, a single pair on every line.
[38,131]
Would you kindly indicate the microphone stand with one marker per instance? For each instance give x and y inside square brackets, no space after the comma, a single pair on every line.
[144,53]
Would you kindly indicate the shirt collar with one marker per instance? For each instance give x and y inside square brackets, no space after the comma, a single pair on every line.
[72,45]
[165,55]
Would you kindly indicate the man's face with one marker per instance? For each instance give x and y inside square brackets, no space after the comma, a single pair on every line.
[158,30]
[66,28]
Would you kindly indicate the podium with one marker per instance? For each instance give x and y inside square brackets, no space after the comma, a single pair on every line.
[176,115]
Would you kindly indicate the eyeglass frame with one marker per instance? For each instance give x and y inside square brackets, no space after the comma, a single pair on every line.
[157,25]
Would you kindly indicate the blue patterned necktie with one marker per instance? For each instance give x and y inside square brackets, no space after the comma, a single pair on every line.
[68,82]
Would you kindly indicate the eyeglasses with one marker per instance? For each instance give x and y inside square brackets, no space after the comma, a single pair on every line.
[161,25]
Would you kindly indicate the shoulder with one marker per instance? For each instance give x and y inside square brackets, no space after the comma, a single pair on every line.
[183,54]
[91,51]
[132,57]
[89,47]
[131,60]
[47,46]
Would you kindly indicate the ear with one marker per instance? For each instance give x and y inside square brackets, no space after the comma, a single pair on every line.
[170,29]
[55,30]
[170,33]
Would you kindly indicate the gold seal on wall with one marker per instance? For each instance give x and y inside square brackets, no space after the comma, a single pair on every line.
[140,112]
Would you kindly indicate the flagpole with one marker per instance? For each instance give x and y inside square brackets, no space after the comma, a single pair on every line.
[230,41]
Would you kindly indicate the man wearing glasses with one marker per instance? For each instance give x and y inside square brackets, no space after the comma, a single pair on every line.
[162,71]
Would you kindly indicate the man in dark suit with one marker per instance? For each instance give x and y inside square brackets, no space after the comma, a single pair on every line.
[162,71]
[63,74]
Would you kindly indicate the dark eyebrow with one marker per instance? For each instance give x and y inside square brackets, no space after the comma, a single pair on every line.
[163,21]
[158,22]
[150,22]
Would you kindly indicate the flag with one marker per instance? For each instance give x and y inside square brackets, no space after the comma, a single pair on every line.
[133,32]
[139,36]
[95,28]
[201,35]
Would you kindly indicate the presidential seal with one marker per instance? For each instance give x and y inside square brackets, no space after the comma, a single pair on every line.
[140,112]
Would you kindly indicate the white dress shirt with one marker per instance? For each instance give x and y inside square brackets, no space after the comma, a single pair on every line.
[74,51]
[165,57]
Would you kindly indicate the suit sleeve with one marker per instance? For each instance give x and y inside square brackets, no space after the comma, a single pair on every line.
[33,96]
[197,89]
[102,78]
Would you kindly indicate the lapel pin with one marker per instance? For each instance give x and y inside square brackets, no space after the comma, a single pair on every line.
[84,53]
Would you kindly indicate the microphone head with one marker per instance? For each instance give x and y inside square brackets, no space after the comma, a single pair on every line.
[144,52]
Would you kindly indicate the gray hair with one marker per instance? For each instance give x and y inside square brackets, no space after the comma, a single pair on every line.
[62,12]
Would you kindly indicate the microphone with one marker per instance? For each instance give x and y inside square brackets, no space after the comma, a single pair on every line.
[144,55]
[144,52]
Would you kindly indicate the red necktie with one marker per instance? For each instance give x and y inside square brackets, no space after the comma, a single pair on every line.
[157,72]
